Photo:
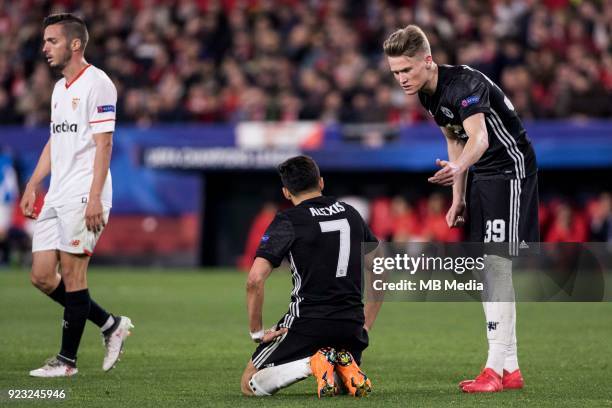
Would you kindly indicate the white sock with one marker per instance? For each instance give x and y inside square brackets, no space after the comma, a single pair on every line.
[499,310]
[496,357]
[109,323]
[269,380]
[511,362]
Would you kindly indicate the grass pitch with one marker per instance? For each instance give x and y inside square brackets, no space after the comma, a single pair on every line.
[191,344]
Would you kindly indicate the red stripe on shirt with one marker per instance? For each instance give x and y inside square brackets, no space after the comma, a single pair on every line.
[98,121]
[77,77]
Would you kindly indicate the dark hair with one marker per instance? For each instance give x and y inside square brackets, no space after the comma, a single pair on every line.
[73,26]
[299,174]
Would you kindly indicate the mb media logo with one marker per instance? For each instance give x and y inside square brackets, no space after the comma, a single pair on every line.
[64,127]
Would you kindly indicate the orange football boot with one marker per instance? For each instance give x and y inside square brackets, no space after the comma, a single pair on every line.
[355,381]
[322,366]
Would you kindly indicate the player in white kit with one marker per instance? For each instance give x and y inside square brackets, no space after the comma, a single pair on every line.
[78,203]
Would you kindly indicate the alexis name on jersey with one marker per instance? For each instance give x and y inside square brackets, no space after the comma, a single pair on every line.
[335,208]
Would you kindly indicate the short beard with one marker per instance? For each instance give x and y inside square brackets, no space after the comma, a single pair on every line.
[59,67]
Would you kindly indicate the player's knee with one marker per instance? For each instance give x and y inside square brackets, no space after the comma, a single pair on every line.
[37,281]
[42,281]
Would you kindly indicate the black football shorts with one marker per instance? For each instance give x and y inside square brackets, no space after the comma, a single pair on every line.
[504,211]
[306,336]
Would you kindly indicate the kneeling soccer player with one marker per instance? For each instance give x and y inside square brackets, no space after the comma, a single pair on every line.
[325,330]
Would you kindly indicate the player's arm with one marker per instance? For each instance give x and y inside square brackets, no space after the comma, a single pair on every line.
[478,142]
[94,218]
[42,170]
[375,299]
[274,245]
[455,215]
[260,270]
[461,157]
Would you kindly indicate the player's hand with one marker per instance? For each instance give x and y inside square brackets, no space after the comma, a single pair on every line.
[455,217]
[448,173]
[94,219]
[272,333]
[27,202]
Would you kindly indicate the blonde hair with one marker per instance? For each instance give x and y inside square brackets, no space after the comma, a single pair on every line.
[408,41]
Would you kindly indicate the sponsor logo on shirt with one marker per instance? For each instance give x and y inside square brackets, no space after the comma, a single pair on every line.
[447,112]
[64,127]
[106,108]
[470,100]
[265,238]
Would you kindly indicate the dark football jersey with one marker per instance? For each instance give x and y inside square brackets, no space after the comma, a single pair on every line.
[463,91]
[321,239]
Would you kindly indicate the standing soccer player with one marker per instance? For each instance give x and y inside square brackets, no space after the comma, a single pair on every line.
[482,130]
[78,202]
[326,328]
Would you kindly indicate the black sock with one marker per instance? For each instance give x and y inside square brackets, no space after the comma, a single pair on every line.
[59,293]
[97,315]
[75,317]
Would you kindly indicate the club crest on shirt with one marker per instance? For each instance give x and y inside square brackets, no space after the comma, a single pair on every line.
[447,112]
[75,103]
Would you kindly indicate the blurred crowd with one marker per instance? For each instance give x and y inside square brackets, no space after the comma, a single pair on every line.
[240,60]
[423,219]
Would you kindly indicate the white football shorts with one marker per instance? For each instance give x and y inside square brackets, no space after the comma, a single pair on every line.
[63,228]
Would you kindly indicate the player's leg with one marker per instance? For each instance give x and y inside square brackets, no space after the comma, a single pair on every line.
[45,272]
[491,213]
[528,236]
[268,381]
[286,360]
[74,271]
[44,276]
[45,258]
[76,309]
[277,364]
[76,239]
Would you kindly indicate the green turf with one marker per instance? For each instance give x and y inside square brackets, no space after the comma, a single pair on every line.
[191,344]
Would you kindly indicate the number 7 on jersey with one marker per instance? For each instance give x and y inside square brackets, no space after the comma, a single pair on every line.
[344,253]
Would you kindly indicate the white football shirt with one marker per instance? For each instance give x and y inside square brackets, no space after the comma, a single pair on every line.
[79,109]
